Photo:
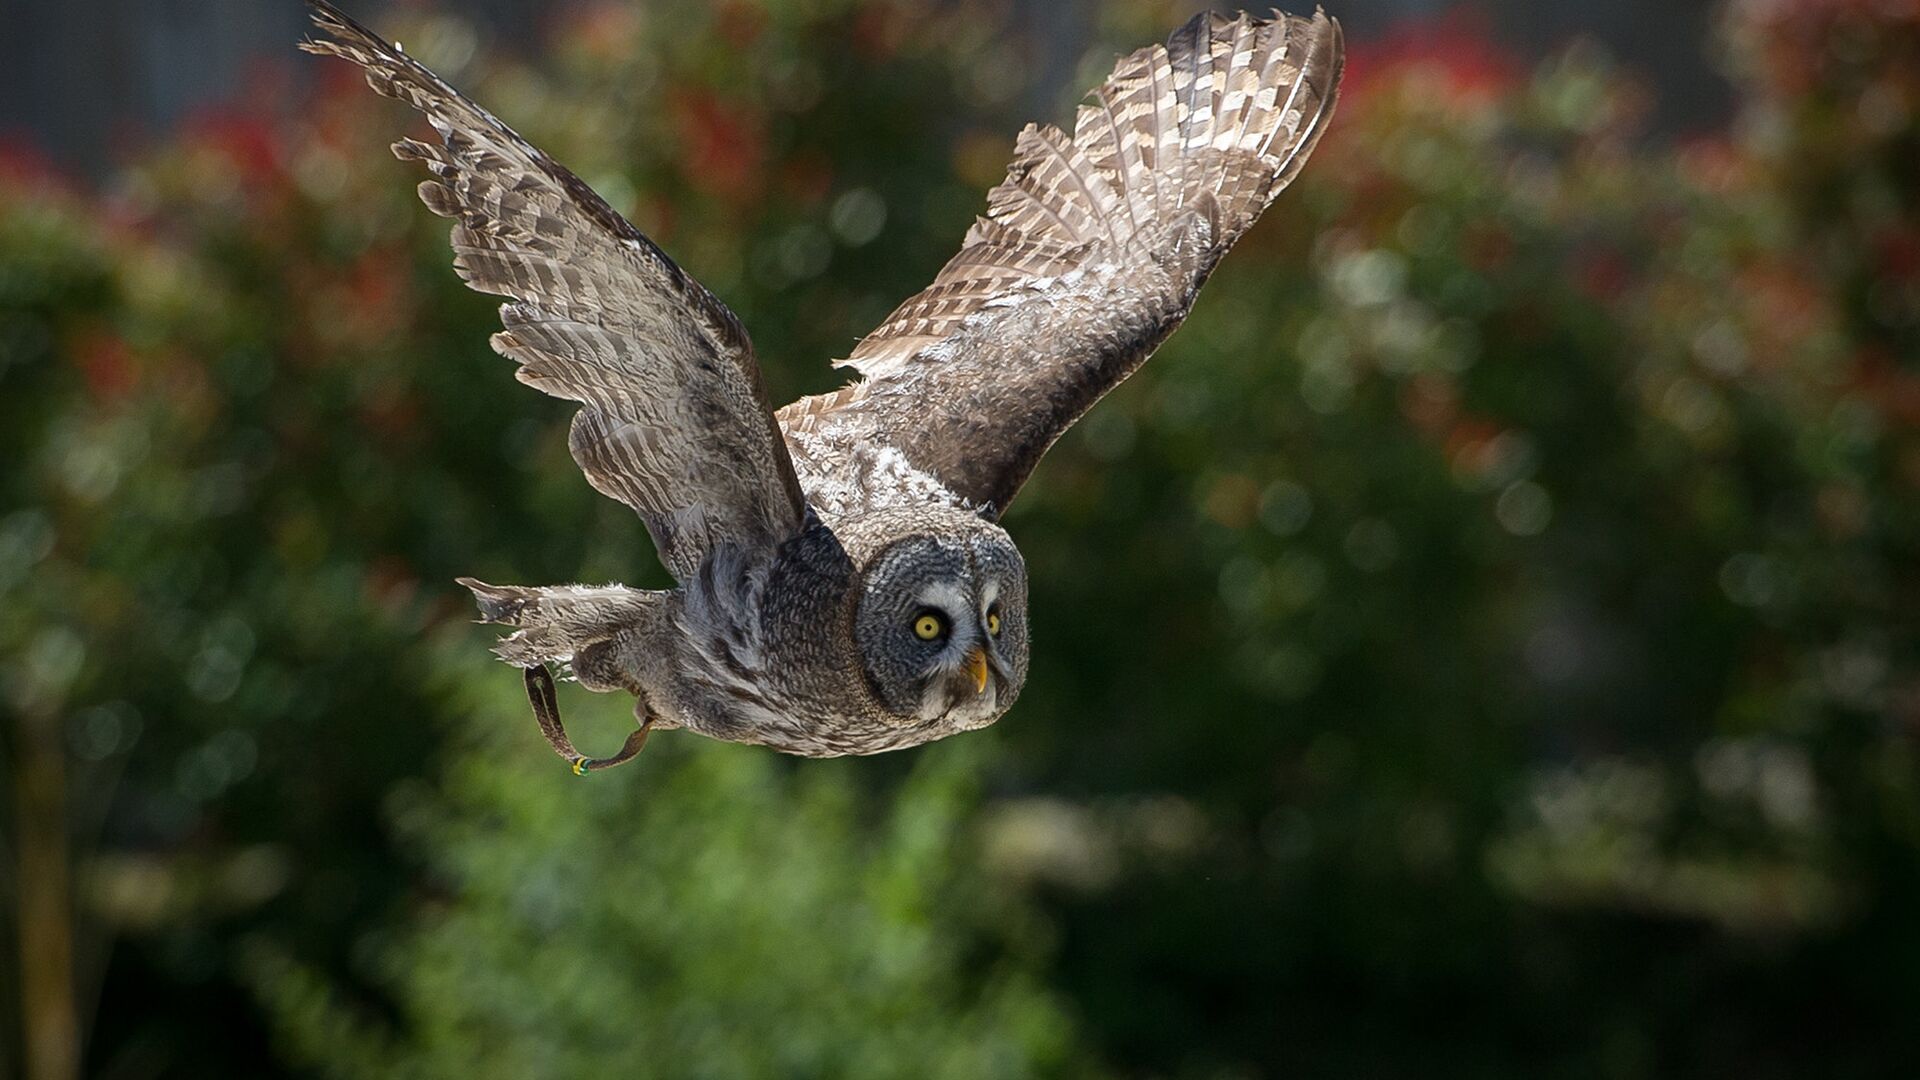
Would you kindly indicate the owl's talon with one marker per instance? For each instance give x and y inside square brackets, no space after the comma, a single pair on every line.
[546,711]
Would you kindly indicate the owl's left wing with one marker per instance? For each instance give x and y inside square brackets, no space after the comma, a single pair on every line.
[1090,254]
[673,421]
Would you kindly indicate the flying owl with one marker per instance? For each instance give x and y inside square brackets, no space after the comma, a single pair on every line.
[843,584]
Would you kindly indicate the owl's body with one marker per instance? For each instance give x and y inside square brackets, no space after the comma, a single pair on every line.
[753,648]
[843,587]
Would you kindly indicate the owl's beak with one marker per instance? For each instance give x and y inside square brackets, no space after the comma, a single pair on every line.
[977,667]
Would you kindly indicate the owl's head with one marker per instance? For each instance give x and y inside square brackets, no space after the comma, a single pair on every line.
[941,623]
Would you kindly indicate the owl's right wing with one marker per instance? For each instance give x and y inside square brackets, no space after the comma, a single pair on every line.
[673,419]
[1090,254]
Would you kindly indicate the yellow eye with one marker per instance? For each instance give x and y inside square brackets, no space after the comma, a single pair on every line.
[993,623]
[928,627]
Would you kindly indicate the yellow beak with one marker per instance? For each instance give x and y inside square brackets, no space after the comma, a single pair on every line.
[977,667]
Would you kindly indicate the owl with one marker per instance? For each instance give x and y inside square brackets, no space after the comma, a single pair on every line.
[843,584]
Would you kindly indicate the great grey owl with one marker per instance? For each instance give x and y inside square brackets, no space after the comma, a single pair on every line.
[843,587]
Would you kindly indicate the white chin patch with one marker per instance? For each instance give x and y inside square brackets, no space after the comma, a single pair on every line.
[933,701]
[977,711]
[968,710]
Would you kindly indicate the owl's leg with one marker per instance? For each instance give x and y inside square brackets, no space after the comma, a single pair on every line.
[546,711]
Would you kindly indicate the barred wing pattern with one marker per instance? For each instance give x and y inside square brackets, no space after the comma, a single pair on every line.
[1091,252]
[673,420]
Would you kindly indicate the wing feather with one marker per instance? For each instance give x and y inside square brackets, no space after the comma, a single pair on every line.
[1091,252]
[673,419]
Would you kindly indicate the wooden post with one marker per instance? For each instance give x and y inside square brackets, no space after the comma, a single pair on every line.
[49,1023]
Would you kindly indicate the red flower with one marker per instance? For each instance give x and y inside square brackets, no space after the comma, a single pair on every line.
[1714,164]
[23,165]
[1795,46]
[723,145]
[1458,47]
[879,32]
[1431,402]
[1602,273]
[248,142]
[741,23]
[1899,251]
[107,364]
[807,178]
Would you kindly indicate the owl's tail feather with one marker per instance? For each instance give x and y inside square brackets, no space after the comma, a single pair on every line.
[557,622]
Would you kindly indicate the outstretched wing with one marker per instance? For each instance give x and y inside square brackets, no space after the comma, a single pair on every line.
[673,419]
[1090,254]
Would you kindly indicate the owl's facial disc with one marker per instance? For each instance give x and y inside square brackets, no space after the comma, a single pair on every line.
[960,677]
[964,686]
[941,627]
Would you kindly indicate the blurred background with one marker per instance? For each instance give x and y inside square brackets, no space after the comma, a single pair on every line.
[1484,642]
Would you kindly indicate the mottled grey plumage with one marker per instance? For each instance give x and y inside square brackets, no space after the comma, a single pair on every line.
[843,586]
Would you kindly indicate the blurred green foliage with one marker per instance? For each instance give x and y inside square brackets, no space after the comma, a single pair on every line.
[734,917]
[1483,642]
